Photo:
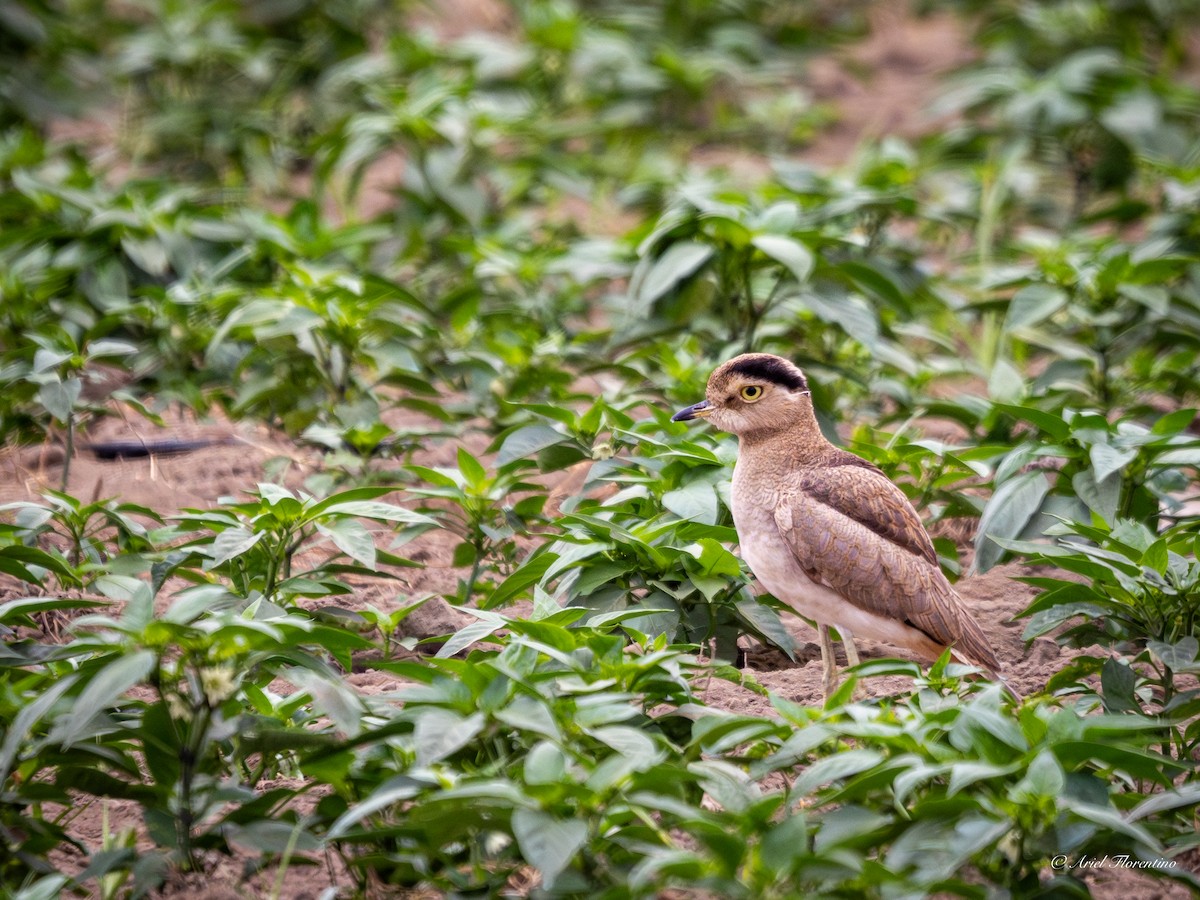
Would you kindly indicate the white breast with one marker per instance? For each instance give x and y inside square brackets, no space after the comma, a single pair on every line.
[772,562]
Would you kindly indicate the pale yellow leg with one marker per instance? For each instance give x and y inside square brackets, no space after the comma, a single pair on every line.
[852,659]
[828,660]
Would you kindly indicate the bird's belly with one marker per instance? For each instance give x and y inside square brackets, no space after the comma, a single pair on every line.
[776,568]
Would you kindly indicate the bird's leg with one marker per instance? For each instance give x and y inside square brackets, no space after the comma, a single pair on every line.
[828,660]
[852,658]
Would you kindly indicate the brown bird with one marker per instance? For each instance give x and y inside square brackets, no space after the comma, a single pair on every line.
[827,532]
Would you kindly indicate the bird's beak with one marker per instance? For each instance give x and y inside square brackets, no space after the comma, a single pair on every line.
[701,410]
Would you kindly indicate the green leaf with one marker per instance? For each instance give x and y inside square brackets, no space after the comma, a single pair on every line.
[116,677]
[834,768]
[108,347]
[524,577]
[374,509]
[1107,460]
[1102,497]
[1011,508]
[526,442]
[472,469]
[1118,683]
[389,794]
[1044,779]
[441,732]
[1182,656]
[1157,557]
[1050,423]
[336,699]
[19,610]
[352,538]
[631,743]
[548,843]
[272,837]
[59,397]
[679,262]
[695,501]
[791,253]
[545,764]
[18,729]
[1032,304]
[231,543]
[468,635]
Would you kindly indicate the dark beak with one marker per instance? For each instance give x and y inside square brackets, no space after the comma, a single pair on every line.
[699,410]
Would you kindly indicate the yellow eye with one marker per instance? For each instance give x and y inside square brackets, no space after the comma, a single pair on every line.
[751,392]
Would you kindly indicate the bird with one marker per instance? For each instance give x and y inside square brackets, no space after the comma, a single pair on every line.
[827,532]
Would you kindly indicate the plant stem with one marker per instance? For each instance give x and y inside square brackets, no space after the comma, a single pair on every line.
[70,452]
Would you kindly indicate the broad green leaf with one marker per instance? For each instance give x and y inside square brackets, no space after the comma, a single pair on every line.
[1012,506]
[1101,496]
[468,635]
[680,261]
[1005,383]
[1157,557]
[767,623]
[17,732]
[1184,795]
[374,509]
[631,743]
[107,347]
[1182,656]
[1044,779]
[60,397]
[545,764]
[231,543]
[785,842]
[1119,682]
[873,281]
[472,469]
[530,714]
[440,733]
[274,493]
[548,843]
[266,836]
[695,501]
[834,768]
[1112,820]
[19,610]
[119,674]
[352,538]
[1032,304]
[965,774]
[1108,460]
[526,442]
[1050,423]
[791,253]
[389,794]
[334,698]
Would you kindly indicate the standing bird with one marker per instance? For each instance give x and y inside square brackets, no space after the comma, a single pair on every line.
[825,531]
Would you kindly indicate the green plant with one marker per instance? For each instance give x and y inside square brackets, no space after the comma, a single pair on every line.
[315,345]
[485,511]
[78,540]
[252,546]
[1090,468]
[1139,601]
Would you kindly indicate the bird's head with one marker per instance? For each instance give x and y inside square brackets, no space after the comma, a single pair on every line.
[755,393]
